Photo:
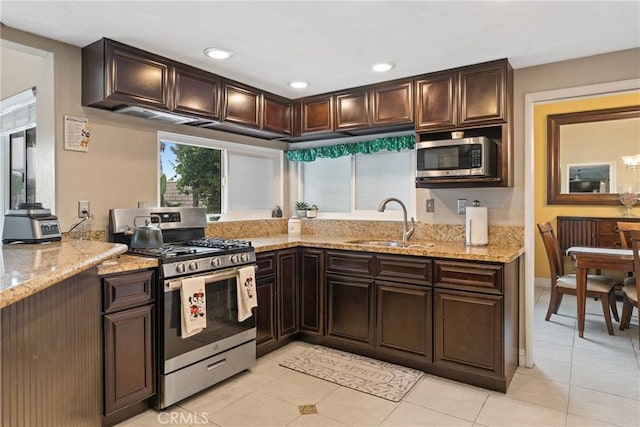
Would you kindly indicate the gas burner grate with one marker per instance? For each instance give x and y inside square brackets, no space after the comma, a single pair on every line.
[166,251]
[219,243]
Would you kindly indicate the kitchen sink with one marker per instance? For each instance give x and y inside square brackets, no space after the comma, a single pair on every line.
[390,243]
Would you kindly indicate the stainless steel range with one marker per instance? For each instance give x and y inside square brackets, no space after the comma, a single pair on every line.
[226,346]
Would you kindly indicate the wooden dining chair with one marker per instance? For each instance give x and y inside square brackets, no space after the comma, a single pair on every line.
[626,226]
[631,288]
[598,286]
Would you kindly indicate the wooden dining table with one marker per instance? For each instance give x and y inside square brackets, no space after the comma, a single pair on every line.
[585,258]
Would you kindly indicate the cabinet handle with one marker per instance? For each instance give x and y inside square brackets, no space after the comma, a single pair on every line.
[617,244]
[616,229]
[216,364]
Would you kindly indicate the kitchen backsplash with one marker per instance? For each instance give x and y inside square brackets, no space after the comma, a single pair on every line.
[498,235]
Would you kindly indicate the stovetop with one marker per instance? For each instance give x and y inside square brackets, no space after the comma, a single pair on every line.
[197,248]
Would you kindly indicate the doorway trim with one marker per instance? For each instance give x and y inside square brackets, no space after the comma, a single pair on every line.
[530,100]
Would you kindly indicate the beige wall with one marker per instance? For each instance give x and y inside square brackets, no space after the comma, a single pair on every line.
[121,165]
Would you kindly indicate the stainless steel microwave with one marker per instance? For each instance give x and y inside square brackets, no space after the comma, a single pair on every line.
[464,157]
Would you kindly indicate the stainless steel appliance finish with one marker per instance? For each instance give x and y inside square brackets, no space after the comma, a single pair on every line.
[30,223]
[226,346]
[464,157]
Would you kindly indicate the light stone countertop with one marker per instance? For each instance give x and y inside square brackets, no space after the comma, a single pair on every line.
[454,250]
[125,263]
[28,269]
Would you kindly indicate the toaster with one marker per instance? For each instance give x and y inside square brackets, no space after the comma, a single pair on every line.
[30,223]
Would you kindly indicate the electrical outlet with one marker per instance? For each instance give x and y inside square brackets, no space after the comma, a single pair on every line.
[83,209]
[462,206]
[430,205]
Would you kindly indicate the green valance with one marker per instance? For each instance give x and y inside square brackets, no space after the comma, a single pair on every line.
[395,143]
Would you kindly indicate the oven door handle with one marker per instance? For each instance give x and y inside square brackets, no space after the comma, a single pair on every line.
[174,285]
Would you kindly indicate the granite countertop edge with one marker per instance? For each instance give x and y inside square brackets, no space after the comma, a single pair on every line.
[29,269]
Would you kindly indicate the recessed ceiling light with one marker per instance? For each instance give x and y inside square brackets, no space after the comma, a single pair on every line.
[299,84]
[216,53]
[382,67]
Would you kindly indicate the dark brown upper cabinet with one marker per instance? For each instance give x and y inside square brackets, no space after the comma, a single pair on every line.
[392,103]
[196,92]
[352,109]
[316,114]
[276,114]
[114,75]
[242,105]
[476,95]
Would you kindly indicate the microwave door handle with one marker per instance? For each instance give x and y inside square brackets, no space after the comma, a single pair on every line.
[173,285]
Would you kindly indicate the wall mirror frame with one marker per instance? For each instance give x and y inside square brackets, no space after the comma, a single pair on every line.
[554,122]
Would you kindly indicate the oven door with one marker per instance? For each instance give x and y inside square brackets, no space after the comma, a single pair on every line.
[223,330]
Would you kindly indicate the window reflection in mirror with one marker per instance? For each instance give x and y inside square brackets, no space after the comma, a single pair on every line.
[587,152]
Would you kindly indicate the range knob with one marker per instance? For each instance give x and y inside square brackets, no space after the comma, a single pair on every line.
[235,259]
[215,262]
[244,257]
[180,268]
[193,266]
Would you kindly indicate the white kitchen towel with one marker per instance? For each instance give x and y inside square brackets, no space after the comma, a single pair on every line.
[193,300]
[247,298]
[477,227]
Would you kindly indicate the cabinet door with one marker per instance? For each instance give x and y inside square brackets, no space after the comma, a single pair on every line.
[311,292]
[242,105]
[574,231]
[265,313]
[352,110]
[350,313]
[468,332]
[136,77]
[482,97]
[128,357]
[392,103]
[276,114]
[196,93]
[316,114]
[403,322]
[436,101]
[287,301]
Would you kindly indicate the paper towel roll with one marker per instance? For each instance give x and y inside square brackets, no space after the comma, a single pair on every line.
[476,226]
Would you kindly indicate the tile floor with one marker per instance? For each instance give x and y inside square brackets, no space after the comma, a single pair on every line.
[593,381]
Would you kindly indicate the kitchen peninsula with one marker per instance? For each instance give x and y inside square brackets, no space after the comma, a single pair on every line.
[51,332]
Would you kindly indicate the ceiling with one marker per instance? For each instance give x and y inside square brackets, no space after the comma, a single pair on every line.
[333,44]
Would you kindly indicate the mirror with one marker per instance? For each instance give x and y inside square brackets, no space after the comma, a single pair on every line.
[585,155]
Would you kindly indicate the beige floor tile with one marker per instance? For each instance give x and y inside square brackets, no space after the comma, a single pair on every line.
[288,350]
[299,389]
[574,420]
[316,420]
[448,397]
[621,382]
[500,410]
[355,408]
[215,398]
[551,370]
[256,409]
[554,395]
[604,407]
[408,414]
[556,352]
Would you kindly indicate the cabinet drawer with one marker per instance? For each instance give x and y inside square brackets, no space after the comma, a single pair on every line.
[404,269]
[350,263]
[127,290]
[266,263]
[608,234]
[465,276]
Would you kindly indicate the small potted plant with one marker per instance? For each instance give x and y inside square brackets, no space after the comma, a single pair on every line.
[312,212]
[301,209]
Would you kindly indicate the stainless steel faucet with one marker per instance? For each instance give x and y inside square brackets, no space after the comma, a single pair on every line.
[406,235]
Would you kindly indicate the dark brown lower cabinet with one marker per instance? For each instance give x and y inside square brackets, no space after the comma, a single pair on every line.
[311,290]
[277,311]
[128,344]
[468,331]
[403,320]
[128,361]
[350,312]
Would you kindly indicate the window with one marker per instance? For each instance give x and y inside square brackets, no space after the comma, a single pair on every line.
[354,186]
[231,181]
